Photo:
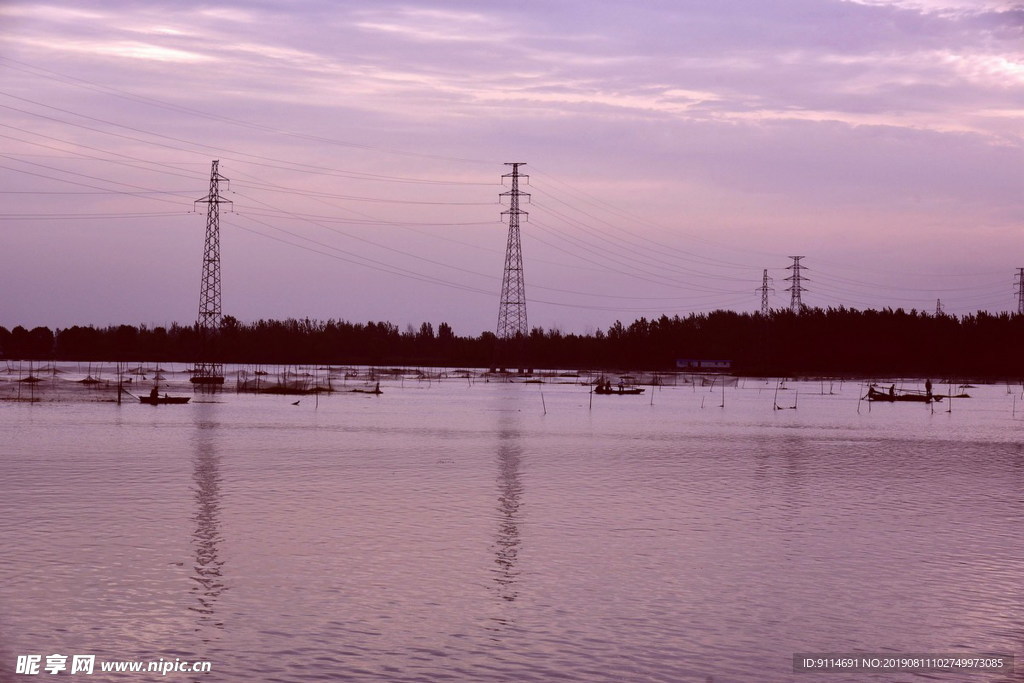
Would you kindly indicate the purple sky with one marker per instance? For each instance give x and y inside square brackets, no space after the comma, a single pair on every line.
[676,149]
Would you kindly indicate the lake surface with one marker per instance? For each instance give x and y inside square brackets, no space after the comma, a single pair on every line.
[470,531]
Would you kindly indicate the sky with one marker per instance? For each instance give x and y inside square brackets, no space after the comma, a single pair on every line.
[676,149]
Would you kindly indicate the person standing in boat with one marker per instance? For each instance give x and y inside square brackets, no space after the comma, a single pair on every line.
[892,390]
[154,393]
[928,388]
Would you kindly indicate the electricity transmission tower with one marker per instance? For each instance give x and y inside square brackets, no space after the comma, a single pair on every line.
[207,371]
[796,289]
[1018,281]
[938,308]
[512,327]
[765,288]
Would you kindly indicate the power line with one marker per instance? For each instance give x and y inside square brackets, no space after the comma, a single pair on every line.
[206,149]
[625,249]
[629,269]
[85,216]
[625,214]
[146,190]
[163,104]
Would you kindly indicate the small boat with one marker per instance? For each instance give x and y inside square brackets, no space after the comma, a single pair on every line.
[606,388]
[375,390]
[155,399]
[892,396]
[165,399]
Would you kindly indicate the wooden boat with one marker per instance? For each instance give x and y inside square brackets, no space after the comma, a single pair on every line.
[165,399]
[154,398]
[605,388]
[901,395]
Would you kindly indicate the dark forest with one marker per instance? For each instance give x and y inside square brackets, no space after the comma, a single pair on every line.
[833,341]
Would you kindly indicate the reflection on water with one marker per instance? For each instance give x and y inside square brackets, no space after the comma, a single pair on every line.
[510,491]
[659,541]
[206,539]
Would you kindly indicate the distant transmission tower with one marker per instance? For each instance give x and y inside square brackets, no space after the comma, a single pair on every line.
[1018,281]
[512,327]
[765,288]
[796,289]
[938,308]
[208,323]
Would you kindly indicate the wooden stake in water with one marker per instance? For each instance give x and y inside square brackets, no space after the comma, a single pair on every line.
[543,403]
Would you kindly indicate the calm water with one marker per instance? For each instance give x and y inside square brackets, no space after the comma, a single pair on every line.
[454,531]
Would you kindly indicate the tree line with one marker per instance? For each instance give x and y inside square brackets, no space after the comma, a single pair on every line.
[832,341]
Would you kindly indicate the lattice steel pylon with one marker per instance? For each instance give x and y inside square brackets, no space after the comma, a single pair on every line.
[207,371]
[1018,282]
[512,328]
[765,289]
[796,303]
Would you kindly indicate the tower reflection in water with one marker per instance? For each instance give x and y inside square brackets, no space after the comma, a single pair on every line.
[510,493]
[207,570]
